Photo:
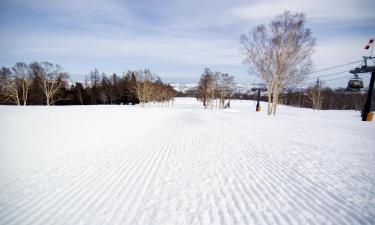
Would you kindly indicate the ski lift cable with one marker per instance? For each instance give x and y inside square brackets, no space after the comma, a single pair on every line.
[327,75]
[307,81]
[338,78]
[333,79]
[334,67]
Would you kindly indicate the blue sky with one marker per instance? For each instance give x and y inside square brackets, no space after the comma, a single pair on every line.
[175,39]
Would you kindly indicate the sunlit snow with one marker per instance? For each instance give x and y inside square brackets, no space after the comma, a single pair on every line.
[185,165]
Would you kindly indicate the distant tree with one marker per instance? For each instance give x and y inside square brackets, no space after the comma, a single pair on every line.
[158,80]
[114,90]
[205,86]
[136,86]
[79,94]
[315,94]
[214,86]
[280,55]
[15,83]
[5,75]
[126,91]
[163,93]
[105,90]
[141,85]
[22,76]
[12,92]
[226,83]
[51,80]
[148,86]
[94,86]
[11,89]
[36,95]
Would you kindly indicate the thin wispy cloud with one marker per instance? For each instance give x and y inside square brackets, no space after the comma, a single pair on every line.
[329,11]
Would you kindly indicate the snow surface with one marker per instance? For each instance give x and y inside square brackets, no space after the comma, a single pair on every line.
[185,165]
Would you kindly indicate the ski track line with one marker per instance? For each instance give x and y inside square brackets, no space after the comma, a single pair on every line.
[328,197]
[133,168]
[34,201]
[45,203]
[126,182]
[17,174]
[229,172]
[276,173]
[91,190]
[232,201]
[237,191]
[225,210]
[88,200]
[137,188]
[166,148]
[73,205]
[42,203]
[239,215]
[131,181]
[267,184]
[312,192]
[135,182]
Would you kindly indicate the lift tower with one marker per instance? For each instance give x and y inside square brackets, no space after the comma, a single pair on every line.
[366,69]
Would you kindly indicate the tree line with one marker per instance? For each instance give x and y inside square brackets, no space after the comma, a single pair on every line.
[212,92]
[330,99]
[45,83]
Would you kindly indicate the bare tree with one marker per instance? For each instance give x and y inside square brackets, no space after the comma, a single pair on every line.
[141,85]
[225,88]
[203,87]
[163,93]
[4,76]
[8,87]
[214,87]
[136,85]
[51,79]
[11,91]
[94,83]
[15,83]
[21,73]
[280,55]
[206,88]
[148,86]
[315,94]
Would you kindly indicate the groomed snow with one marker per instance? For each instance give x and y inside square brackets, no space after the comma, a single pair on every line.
[185,165]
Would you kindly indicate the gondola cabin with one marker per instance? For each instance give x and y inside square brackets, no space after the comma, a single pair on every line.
[355,83]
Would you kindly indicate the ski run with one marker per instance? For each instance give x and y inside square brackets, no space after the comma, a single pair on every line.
[185,165]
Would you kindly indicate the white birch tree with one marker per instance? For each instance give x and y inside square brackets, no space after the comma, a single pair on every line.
[22,77]
[315,94]
[141,85]
[9,89]
[279,55]
[225,88]
[51,79]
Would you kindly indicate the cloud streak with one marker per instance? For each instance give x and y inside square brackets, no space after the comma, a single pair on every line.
[345,10]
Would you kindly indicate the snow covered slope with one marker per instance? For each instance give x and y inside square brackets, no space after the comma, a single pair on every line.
[185,165]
